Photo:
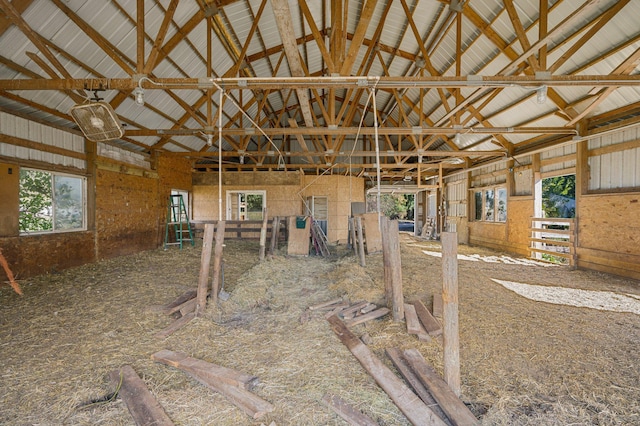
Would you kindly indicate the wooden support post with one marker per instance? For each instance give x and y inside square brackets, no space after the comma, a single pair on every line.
[392,267]
[275,231]
[205,263]
[408,402]
[263,234]
[450,310]
[358,220]
[384,231]
[352,234]
[217,262]
[142,405]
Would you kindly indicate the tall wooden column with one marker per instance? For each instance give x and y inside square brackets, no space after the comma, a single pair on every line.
[450,310]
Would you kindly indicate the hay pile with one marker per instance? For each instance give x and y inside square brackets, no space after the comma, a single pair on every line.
[523,362]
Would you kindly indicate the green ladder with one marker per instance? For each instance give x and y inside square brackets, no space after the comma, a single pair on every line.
[178,218]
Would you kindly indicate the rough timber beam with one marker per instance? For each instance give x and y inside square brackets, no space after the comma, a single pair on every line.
[343,82]
[285,27]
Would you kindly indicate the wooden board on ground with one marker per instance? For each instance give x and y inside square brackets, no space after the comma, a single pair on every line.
[347,411]
[456,410]
[142,405]
[372,236]
[225,381]
[174,306]
[408,402]
[203,368]
[380,312]
[413,323]
[298,243]
[397,359]
[176,325]
[428,321]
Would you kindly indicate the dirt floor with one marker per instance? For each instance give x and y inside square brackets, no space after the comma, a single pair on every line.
[523,362]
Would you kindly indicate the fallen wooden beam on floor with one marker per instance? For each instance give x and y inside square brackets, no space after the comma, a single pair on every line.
[176,325]
[380,312]
[351,311]
[396,357]
[142,405]
[186,363]
[175,305]
[222,380]
[348,413]
[413,323]
[408,402]
[457,412]
[428,321]
[328,305]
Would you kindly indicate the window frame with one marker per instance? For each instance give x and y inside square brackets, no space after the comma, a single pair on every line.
[234,193]
[489,212]
[57,229]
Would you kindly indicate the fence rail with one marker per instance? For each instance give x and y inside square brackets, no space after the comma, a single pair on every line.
[553,237]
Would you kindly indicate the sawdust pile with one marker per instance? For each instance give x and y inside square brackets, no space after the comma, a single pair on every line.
[524,362]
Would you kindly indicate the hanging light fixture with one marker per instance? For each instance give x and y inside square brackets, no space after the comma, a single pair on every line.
[138,94]
[541,94]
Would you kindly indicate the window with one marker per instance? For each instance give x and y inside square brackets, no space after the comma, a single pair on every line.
[490,205]
[51,202]
[245,205]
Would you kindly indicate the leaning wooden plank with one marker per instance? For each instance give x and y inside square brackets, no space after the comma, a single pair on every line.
[326,305]
[172,307]
[7,270]
[142,405]
[396,357]
[188,306]
[347,412]
[408,402]
[428,321]
[456,410]
[251,404]
[176,325]
[366,317]
[413,323]
[203,368]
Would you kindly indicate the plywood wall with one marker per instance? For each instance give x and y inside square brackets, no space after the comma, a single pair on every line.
[609,233]
[286,193]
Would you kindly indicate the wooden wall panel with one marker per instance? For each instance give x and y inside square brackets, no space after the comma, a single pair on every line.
[129,215]
[519,214]
[47,253]
[9,199]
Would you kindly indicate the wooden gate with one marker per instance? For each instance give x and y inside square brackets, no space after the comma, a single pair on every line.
[553,238]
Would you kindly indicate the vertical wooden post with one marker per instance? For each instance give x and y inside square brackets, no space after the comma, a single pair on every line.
[384,233]
[263,234]
[392,267]
[450,310]
[352,233]
[275,231]
[360,241]
[205,263]
[217,261]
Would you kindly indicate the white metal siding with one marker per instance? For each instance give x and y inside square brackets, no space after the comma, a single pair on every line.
[620,169]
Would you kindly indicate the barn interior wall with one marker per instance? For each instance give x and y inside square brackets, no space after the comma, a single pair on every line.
[285,194]
[607,203]
[126,197]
